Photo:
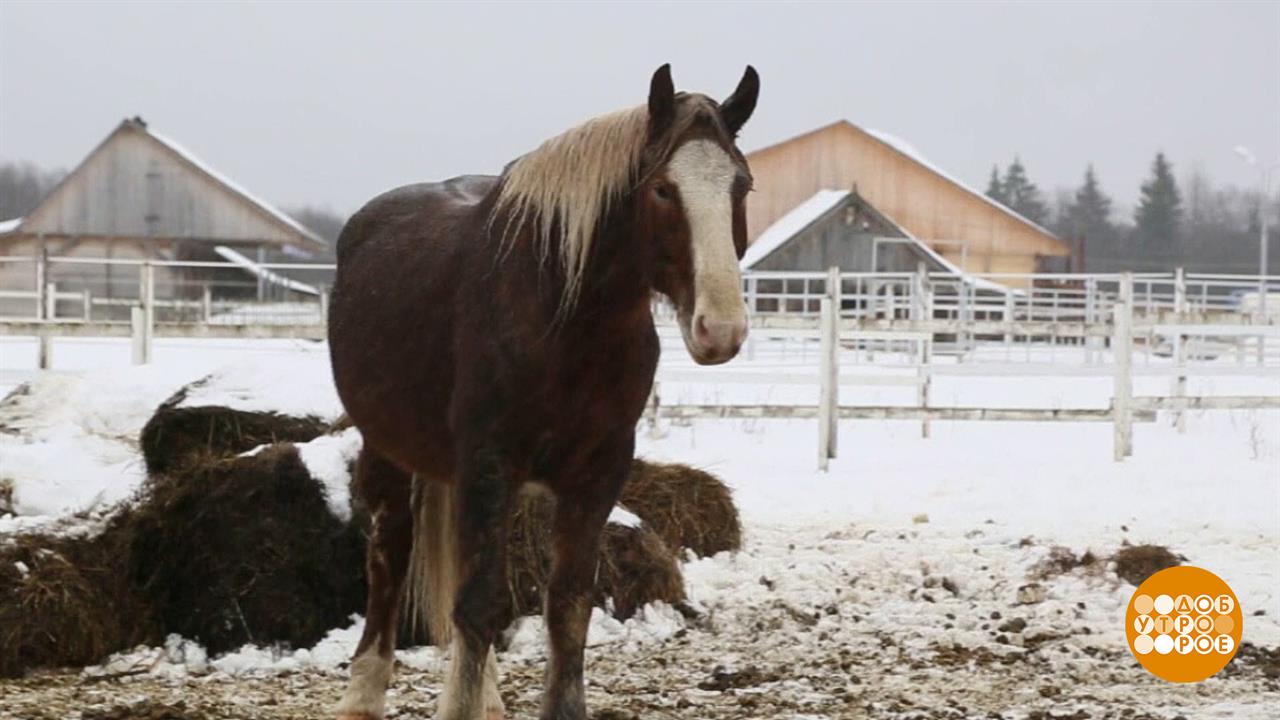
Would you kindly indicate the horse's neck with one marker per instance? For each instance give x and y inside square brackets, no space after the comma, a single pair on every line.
[619,277]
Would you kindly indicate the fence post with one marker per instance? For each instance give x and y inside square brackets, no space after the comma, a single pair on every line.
[49,311]
[42,271]
[652,407]
[917,293]
[1090,317]
[147,293]
[827,390]
[88,305]
[1180,345]
[206,303]
[924,377]
[138,335]
[836,293]
[1008,320]
[1122,349]
[324,306]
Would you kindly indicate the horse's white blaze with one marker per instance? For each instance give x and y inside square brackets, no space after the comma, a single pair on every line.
[704,173]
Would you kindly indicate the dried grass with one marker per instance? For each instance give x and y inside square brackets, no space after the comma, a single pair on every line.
[177,438]
[64,601]
[687,507]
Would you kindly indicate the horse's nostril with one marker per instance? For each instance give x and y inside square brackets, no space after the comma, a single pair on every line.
[719,334]
[700,330]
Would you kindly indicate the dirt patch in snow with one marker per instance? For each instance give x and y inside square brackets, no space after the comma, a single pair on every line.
[804,623]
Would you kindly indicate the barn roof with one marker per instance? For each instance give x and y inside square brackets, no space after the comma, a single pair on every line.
[233,186]
[791,224]
[825,201]
[285,226]
[907,150]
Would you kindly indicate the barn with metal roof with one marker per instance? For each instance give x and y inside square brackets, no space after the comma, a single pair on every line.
[140,195]
[950,219]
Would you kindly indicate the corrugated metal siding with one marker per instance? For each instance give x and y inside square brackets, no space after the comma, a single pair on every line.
[134,187]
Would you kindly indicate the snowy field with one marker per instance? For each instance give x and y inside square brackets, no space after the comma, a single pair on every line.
[915,579]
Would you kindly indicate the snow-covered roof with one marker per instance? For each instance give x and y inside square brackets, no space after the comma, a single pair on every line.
[230,184]
[910,151]
[804,214]
[788,225]
[8,226]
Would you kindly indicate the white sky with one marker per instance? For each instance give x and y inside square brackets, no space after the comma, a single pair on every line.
[333,103]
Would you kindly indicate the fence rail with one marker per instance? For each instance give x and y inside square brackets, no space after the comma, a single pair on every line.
[1183,317]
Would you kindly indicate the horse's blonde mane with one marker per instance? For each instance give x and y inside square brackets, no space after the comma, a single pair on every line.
[564,188]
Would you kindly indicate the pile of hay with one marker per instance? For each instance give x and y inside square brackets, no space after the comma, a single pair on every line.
[1135,563]
[636,566]
[687,507]
[243,550]
[227,549]
[64,601]
[178,437]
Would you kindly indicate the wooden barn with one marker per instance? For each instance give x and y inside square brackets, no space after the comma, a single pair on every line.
[952,220]
[139,195]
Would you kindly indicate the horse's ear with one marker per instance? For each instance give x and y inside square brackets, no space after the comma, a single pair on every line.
[662,100]
[737,109]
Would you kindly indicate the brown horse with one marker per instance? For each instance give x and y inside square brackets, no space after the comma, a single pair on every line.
[493,333]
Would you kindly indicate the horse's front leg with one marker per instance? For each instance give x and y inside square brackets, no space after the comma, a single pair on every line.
[582,509]
[385,490]
[483,520]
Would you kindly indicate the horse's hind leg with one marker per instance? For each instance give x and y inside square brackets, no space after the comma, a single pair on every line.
[385,491]
[483,494]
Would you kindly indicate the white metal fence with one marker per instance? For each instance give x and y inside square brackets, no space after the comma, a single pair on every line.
[929,324]
[1111,326]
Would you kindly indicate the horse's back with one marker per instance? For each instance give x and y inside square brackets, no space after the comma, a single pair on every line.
[419,211]
[392,314]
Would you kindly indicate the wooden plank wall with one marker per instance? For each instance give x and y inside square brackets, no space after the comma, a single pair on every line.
[923,202]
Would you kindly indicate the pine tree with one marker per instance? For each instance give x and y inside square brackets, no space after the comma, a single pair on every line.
[1159,212]
[1090,213]
[995,187]
[1021,195]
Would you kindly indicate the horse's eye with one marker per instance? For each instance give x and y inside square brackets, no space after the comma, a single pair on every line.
[664,192]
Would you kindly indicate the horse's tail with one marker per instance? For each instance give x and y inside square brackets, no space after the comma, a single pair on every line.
[433,563]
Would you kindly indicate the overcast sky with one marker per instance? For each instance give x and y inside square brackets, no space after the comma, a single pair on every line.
[330,104]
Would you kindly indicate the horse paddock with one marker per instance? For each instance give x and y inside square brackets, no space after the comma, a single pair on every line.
[979,573]
[824,620]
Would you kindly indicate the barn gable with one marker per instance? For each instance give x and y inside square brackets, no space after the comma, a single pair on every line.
[139,184]
[839,228]
[924,200]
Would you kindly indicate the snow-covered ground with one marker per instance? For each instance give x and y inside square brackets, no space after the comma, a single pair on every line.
[884,587]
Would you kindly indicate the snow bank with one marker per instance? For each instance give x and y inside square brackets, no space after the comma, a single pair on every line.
[68,443]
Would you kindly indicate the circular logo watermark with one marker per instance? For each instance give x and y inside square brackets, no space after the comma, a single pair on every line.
[1184,624]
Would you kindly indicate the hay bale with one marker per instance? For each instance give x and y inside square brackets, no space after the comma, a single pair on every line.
[636,566]
[244,550]
[687,507]
[65,601]
[176,437]
[1136,563]
[6,495]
